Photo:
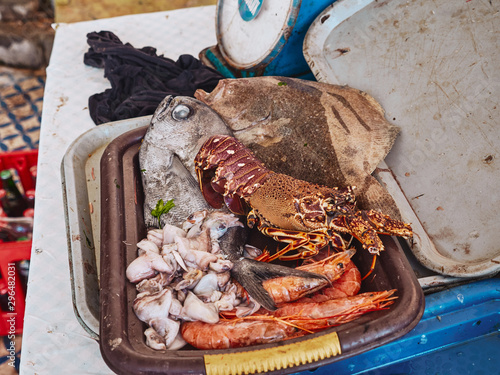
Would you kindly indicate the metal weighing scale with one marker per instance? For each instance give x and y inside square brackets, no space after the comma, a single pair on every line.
[262,37]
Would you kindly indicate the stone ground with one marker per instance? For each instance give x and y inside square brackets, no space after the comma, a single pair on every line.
[84,10]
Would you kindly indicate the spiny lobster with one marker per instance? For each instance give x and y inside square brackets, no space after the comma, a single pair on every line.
[306,216]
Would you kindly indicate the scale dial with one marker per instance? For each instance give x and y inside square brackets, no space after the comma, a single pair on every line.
[250,33]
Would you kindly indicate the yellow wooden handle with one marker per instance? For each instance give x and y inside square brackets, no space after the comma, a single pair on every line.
[276,358]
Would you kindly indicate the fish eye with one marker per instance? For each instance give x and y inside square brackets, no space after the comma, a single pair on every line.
[181,112]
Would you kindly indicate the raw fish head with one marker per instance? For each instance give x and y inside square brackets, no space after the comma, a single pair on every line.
[181,124]
[177,130]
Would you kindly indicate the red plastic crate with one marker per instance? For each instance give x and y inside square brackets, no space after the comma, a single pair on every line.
[11,321]
[22,161]
[12,315]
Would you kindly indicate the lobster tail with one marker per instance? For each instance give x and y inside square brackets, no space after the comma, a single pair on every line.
[212,197]
[228,172]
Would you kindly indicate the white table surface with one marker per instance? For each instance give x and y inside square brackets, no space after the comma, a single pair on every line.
[53,340]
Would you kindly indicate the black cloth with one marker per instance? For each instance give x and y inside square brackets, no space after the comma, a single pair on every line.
[140,79]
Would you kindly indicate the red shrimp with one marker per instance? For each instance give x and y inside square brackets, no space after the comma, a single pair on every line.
[291,288]
[347,285]
[236,333]
[335,311]
[289,321]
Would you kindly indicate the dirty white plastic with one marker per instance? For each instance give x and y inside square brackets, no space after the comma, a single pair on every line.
[80,171]
[433,66]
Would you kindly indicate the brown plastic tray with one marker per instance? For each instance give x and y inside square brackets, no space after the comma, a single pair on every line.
[121,333]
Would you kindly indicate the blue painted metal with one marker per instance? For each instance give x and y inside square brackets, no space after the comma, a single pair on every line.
[459,333]
[290,61]
[249,9]
[287,58]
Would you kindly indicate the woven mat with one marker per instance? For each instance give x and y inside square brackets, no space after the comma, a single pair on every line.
[21,97]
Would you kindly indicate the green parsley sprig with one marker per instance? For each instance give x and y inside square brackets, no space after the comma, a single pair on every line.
[162,208]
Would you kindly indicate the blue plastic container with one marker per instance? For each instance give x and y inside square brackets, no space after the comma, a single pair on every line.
[459,333]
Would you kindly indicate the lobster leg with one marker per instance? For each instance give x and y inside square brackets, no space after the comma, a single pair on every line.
[384,224]
[371,268]
[293,244]
[366,226]
[363,231]
[307,244]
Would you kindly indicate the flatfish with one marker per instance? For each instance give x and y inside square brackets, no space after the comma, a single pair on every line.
[322,133]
